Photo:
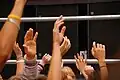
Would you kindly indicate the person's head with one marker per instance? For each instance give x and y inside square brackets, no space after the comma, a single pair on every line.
[15,78]
[67,74]
[41,77]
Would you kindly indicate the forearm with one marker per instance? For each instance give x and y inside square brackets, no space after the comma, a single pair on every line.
[20,66]
[103,70]
[55,66]
[9,33]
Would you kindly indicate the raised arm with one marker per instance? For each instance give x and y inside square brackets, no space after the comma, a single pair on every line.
[55,65]
[8,33]
[19,58]
[85,69]
[98,51]
[30,68]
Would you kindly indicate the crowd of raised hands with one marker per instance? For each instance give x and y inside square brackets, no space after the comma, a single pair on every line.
[28,68]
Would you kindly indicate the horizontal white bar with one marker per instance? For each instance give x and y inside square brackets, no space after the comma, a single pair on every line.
[72,61]
[68,18]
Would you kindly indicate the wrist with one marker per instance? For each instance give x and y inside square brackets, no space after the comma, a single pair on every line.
[42,63]
[85,76]
[102,63]
[20,57]
[20,1]
[56,43]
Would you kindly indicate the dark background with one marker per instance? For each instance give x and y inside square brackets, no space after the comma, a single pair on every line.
[81,33]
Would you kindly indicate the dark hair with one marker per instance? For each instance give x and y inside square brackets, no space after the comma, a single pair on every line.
[15,78]
[41,77]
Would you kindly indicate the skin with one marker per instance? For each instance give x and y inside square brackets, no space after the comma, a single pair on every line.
[10,30]
[98,51]
[55,65]
[82,66]
[19,54]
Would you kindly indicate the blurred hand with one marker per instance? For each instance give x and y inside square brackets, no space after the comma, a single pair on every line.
[46,58]
[98,51]
[58,35]
[89,70]
[30,44]
[65,46]
[80,63]
[17,50]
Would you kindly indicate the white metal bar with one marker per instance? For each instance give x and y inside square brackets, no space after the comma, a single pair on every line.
[72,61]
[68,18]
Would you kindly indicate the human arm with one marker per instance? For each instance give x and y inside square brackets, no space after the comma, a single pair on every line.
[45,60]
[55,65]
[8,33]
[85,69]
[30,67]
[19,58]
[98,51]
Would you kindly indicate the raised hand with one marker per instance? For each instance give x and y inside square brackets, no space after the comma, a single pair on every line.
[89,70]
[17,51]
[30,44]
[65,46]
[98,51]
[80,63]
[58,35]
[46,58]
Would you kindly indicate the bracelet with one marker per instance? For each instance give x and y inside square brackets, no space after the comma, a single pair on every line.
[20,57]
[20,61]
[14,17]
[14,22]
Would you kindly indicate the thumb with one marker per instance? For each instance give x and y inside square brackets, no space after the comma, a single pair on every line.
[25,48]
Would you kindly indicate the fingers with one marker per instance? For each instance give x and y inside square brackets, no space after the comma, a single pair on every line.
[94,45]
[77,61]
[28,35]
[63,30]
[60,19]
[92,51]
[80,57]
[58,23]
[35,37]
[103,46]
[25,48]
[46,58]
[69,44]
[97,46]
[64,42]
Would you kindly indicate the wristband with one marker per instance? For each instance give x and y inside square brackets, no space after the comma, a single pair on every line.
[20,61]
[19,58]
[14,17]
[14,22]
